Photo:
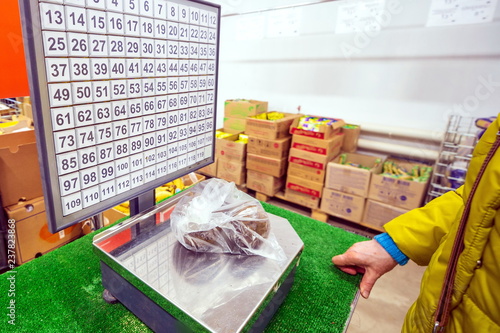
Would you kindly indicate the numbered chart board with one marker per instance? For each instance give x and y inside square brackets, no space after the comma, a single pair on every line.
[124,97]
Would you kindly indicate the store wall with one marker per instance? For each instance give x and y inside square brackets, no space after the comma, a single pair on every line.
[405,74]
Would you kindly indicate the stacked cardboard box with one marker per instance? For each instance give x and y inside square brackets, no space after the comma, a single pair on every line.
[351,137]
[22,198]
[229,148]
[268,147]
[236,112]
[25,106]
[347,185]
[210,170]
[230,154]
[18,150]
[400,191]
[310,153]
[33,237]
[390,196]
[377,213]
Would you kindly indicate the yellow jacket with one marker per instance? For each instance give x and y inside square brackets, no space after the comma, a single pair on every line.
[426,236]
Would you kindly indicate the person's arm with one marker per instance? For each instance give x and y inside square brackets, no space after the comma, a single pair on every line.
[415,234]
[418,233]
[368,258]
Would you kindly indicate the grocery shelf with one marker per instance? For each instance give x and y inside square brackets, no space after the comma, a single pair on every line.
[9,107]
[455,153]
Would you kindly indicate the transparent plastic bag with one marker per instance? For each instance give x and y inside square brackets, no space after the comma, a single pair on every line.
[217,217]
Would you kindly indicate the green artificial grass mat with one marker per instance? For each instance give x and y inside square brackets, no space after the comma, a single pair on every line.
[62,292]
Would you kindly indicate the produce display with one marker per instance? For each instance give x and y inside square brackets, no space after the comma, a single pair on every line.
[344,161]
[242,138]
[274,115]
[314,123]
[161,193]
[418,173]
[222,135]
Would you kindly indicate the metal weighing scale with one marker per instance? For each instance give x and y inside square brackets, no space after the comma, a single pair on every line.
[172,289]
[124,99]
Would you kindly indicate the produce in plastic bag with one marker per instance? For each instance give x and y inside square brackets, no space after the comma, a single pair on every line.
[217,217]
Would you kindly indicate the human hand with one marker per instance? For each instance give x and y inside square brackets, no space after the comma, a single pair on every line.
[368,258]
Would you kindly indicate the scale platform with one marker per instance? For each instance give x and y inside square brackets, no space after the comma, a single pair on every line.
[172,289]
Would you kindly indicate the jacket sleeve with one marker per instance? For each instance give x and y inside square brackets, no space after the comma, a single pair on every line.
[418,233]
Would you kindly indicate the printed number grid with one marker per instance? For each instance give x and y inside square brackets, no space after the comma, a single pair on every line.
[131,90]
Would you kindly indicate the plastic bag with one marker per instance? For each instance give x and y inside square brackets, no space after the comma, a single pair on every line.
[217,217]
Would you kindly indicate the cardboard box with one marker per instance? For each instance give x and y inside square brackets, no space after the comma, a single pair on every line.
[329,147]
[308,159]
[263,183]
[350,179]
[234,125]
[87,227]
[304,186]
[271,166]
[405,194]
[270,129]
[192,178]
[346,206]
[209,170]
[302,199]
[17,152]
[242,108]
[233,136]
[306,173]
[229,149]
[351,137]
[26,109]
[15,125]
[324,131]
[112,215]
[231,170]
[377,213]
[267,147]
[33,237]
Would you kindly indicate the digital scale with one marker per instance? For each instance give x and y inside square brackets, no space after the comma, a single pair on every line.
[124,100]
[172,289]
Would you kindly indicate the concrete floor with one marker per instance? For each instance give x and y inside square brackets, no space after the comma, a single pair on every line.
[393,294]
[390,299]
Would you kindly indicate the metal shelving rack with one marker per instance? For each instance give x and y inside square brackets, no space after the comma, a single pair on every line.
[459,140]
[9,107]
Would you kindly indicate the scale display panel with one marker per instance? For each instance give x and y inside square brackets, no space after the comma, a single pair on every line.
[124,97]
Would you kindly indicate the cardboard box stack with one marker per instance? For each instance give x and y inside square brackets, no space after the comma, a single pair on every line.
[268,147]
[230,154]
[315,142]
[351,137]
[210,170]
[33,237]
[22,198]
[397,188]
[347,185]
[236,112]
[377,213]
[25,106]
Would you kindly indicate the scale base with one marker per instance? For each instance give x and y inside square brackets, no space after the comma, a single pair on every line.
[118,289]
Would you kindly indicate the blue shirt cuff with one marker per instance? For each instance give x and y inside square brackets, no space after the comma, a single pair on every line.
[388,244]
